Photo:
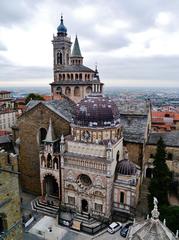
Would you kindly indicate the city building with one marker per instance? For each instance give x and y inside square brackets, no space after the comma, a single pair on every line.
[171,140]
[8,118]
[87,169]
[165,121]
[10,214]
[6,100]
[80,141]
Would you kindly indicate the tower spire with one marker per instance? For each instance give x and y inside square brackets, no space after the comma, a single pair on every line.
[76,57]
[76,52]
[50,137]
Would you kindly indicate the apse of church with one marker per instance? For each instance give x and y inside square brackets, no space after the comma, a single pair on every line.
[71,77]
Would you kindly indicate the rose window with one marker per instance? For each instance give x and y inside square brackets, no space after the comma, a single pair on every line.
[84,181]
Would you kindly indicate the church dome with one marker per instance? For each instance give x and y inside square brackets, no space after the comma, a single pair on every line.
[61,28]
[96,111]
[126,167]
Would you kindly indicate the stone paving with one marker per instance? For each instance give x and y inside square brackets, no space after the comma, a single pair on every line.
[42,231]
[43,223]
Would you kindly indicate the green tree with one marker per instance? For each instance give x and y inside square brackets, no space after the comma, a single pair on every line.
[160,183]
[171,214]
[33,96]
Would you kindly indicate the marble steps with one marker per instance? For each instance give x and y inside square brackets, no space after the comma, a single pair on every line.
[44,208]
[84,218]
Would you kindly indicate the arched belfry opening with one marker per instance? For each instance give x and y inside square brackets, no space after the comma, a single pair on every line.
[59,58]
[42,135]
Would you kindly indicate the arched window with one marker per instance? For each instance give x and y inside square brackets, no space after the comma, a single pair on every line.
[68,76]
[42,135]
[43,161]
[3,222]
[72,76]
[170,156]
[67,91]
[60,77]
[49,160]
[59,58]
[122,197]
[88,90]
[80,76]
[76,91]
[55,163]
[59,90]
[1,225]
[117,156]
[76,76]
[63,76]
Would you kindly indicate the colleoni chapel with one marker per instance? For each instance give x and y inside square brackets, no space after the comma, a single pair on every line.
[72,147]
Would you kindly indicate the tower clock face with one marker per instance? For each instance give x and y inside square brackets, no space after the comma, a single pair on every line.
[86,135]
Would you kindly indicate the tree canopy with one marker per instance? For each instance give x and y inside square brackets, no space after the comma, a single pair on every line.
[33,96]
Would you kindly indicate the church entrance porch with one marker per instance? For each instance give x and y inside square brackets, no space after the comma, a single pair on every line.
[50,186]
[84,205]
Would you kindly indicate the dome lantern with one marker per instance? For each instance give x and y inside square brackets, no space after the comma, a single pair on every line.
[61,29]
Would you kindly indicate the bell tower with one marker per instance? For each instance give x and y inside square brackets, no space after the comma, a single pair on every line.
[61,48]
[71,78]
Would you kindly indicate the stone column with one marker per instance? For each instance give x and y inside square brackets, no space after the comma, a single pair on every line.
[42,187]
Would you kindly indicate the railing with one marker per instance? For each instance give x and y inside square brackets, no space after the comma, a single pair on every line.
[84,167]
[10,231]
[124,207]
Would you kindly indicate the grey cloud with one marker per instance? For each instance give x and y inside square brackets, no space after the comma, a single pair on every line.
[152,68]
[2,47]
[16,11]
[11,72]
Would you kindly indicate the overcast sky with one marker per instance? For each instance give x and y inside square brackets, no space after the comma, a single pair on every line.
[134,42]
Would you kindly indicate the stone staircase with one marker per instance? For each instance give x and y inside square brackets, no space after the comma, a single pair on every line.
[42,207]
[142,207]
[84,218]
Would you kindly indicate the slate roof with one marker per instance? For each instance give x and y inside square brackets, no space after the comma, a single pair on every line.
[134,127]
[4,139]
[169,138]
[76,82]
[6,144]
[74,68]
[64,107]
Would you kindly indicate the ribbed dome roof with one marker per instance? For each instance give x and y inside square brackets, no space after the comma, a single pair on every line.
[126,167]
[96,111]
[61,28]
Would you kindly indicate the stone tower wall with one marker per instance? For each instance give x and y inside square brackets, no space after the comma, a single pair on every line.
[9,197]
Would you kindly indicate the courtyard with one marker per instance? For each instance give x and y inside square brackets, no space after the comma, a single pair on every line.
[47,228]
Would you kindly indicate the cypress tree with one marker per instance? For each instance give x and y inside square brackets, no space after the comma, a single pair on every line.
[160,183]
